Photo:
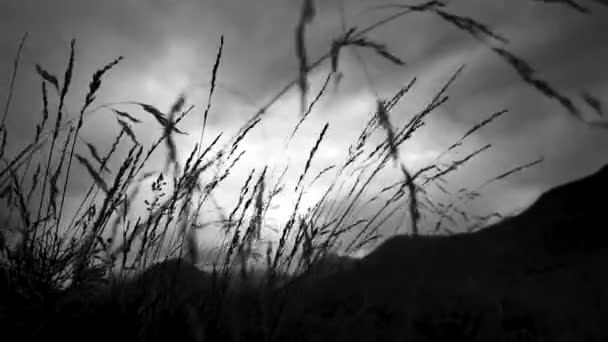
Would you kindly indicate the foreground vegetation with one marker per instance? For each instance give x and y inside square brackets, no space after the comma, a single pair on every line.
[88,268]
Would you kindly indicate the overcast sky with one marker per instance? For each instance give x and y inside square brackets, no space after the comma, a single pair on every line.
[170,46]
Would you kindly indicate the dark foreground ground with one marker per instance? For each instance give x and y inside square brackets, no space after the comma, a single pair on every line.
[538,276]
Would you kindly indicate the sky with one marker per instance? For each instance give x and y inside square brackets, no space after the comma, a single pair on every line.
[170,47]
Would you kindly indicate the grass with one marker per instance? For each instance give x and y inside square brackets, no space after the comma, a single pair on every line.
[83,269]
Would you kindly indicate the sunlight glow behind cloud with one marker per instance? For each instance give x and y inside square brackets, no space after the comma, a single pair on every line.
[170,48]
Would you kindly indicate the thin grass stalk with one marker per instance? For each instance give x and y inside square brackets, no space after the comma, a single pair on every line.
[211,89]
[93,184]
[89,98]
[11,87]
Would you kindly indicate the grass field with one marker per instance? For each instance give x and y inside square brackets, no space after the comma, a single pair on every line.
[108,271]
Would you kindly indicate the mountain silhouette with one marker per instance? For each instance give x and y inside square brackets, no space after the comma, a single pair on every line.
[541,272]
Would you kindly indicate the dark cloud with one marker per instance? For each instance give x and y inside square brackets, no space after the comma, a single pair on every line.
[171,46]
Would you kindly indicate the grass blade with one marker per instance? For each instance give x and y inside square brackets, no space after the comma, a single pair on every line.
[96,177]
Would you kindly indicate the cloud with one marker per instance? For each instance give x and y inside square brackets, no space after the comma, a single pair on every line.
[170,46]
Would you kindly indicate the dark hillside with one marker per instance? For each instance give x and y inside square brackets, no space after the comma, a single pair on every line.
[543,269]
